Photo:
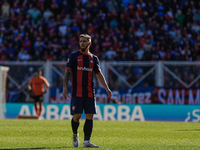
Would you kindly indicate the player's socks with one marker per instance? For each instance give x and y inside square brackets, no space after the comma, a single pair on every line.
[75,126]
[36,109]
[40,110]
[88,129]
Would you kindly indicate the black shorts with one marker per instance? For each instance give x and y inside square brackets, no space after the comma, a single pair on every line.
[38,98]
[78,104]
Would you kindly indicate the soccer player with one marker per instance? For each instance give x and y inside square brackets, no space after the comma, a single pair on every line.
[38,85]
[82,64]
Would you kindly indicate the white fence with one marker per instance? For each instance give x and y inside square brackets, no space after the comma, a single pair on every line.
[184,74]
[119,75]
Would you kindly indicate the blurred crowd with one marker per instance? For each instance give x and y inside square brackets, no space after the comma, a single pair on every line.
[121,30]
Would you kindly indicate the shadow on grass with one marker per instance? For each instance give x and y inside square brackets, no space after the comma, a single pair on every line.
[34,148]
[189,130]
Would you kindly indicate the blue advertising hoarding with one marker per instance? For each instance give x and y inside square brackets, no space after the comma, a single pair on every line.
[131,112]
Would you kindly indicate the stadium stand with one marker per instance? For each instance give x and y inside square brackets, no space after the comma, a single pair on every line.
[121,30]
[135,29]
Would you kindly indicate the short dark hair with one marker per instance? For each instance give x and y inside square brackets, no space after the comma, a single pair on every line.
[88,37]
[38,71]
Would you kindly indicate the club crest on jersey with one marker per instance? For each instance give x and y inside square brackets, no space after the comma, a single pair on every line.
[67,60]
[73,108]
[91,61]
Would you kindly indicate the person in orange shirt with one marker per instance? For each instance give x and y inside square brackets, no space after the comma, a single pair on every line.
[38,85]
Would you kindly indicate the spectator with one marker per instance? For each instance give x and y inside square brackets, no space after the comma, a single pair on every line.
[196,27]
[148,45]
[114,23]
[160,9]
[63,55]
[24,56]
[35,13]
[169,15]
[37,56]
[5,10]
[111,5]
[111,54]
[78,17]
[197,16]
[10,50]
[26,44]
[55,7]
[107,43]
[140,53]
[3,58]
[47,14]
[126,2]
[180,17]
[67,20]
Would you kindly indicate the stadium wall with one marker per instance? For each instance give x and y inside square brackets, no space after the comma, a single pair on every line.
[130,112]
[149,95]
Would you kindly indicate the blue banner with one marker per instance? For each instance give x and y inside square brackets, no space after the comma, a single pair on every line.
[131,96]
[131,112]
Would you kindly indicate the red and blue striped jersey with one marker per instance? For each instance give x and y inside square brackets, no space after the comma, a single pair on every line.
[82,67]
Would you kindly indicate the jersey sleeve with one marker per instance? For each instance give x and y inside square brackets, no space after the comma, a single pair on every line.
[97,68]
[69,62]
[44,79]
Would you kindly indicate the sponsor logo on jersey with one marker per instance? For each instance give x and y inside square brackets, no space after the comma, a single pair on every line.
[84,68]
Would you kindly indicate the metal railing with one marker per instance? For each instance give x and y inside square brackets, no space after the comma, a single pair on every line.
[119,75]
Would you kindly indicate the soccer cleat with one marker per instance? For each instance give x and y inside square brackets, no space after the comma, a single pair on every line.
[89,144]
[75,140]
[40,118]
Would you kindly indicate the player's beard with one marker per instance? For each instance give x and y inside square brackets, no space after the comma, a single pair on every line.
[84,49]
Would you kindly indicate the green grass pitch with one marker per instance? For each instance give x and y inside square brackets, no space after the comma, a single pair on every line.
[28,134]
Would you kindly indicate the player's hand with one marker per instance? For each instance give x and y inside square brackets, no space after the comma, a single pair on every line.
[65,92]
[30,92]
[44,92]
[109,93]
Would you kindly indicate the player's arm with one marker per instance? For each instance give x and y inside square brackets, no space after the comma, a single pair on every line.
[47,85]
[65,83]
[103,82]
[29,84]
